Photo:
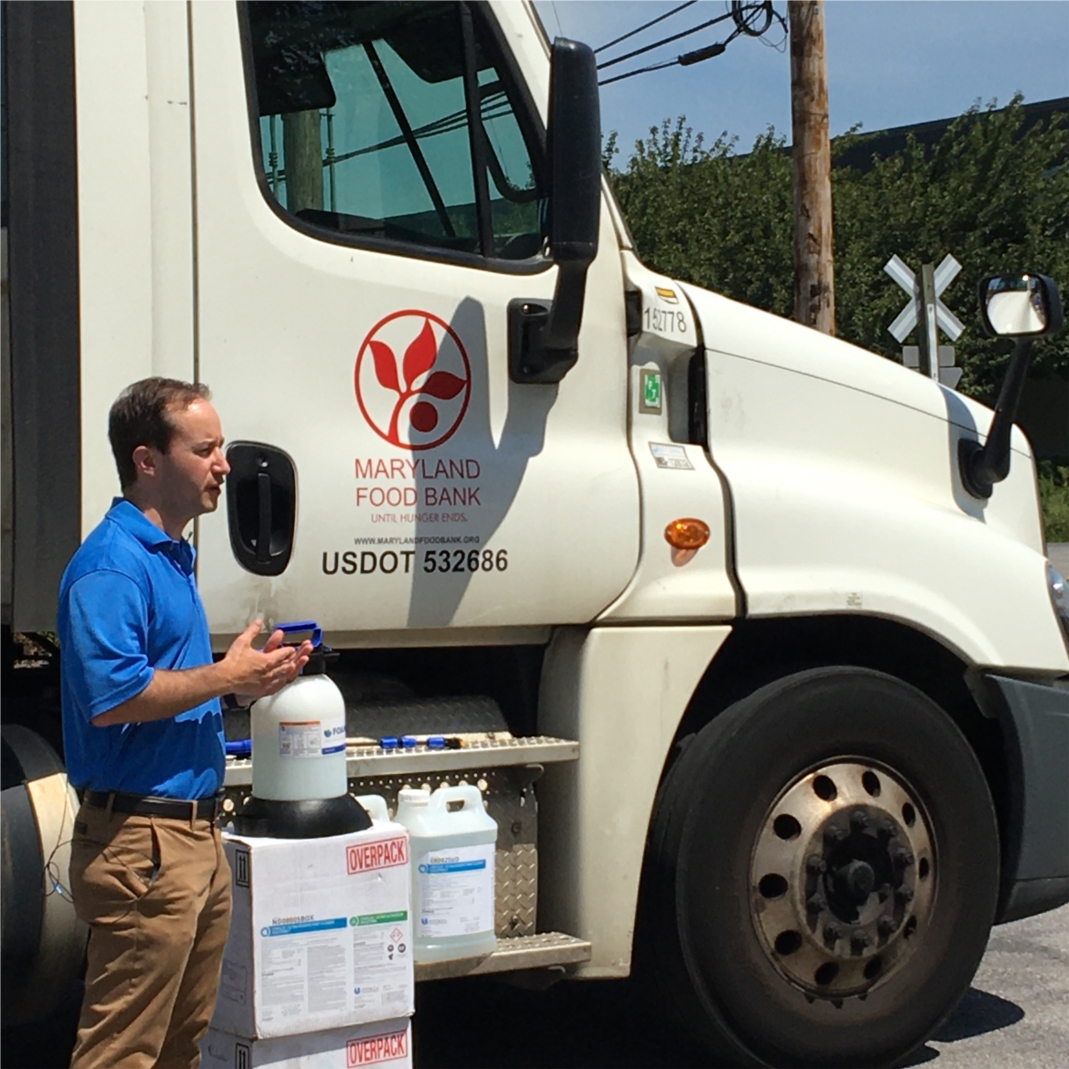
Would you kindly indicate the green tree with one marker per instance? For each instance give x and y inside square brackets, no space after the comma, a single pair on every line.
[990,191]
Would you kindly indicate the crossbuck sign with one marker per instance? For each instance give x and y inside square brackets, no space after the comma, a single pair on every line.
[926,311]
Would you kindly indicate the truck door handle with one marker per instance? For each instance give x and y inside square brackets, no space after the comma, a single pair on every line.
[261,504]
[263,528]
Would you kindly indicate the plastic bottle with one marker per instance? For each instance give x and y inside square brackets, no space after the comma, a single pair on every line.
[453,842]
[298,736]
[375,806]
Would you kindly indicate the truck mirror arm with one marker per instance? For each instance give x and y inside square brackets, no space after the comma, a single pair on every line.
[543,340]
[984,465]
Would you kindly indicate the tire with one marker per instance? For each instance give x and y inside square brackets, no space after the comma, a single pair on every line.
[43,940]
[821,874]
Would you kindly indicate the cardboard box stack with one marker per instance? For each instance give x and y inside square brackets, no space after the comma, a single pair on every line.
[317,971]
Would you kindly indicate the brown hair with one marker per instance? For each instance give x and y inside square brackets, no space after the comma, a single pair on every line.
[140,417]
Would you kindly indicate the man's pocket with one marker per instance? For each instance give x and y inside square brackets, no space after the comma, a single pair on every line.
[114,863]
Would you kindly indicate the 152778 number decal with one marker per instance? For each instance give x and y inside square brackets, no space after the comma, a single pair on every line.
[473,560]
[665,322]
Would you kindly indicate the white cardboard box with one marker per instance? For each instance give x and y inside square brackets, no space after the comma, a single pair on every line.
[320,936]
[384,1043]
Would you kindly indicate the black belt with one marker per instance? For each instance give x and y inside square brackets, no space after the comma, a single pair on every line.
[148,806]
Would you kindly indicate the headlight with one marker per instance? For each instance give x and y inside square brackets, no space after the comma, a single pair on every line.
[1059,598]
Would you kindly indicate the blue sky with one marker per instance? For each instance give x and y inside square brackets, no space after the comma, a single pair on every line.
[890,63]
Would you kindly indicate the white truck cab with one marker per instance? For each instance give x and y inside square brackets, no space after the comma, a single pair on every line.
[767,701]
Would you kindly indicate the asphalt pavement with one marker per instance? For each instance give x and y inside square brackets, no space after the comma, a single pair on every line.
[1015,1016]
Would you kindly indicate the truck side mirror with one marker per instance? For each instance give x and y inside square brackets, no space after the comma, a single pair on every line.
[1020,306]
[1024,307]
[543,341]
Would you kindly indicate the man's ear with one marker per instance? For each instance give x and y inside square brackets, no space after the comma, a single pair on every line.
[144,460]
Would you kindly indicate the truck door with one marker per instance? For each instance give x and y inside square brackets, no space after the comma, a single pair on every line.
[369,198]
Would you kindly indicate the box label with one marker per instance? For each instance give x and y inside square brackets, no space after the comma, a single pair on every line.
[384,854]
[374,1050]
[455,888]
[379,918]
[293,927]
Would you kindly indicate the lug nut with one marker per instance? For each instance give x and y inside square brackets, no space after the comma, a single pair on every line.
[835,833]
[886,925]
[859,939]
[815,903]
[815,864]
[904,893]
[903,858]
[833,933]
[859,819]
[888,827]
[884,892]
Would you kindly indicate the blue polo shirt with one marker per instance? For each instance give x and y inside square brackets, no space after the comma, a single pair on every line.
[128,604]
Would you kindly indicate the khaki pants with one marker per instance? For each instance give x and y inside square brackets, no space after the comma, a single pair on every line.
[156,894]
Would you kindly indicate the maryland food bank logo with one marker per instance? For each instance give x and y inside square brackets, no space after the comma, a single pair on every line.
[413,380]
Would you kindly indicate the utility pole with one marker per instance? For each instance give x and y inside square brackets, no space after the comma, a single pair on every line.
[814,280]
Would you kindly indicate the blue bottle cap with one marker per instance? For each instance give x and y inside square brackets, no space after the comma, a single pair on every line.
[388,742]
[408,741]
[435,742]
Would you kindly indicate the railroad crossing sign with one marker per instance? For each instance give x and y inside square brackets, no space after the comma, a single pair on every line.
[928,314]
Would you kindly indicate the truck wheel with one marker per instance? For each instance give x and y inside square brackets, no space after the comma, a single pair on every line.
[821,873]
[43,940]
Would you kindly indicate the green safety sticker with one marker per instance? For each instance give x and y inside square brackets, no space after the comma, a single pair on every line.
[651,392]
[378,918]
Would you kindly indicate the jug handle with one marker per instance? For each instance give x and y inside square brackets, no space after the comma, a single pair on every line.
[467,793]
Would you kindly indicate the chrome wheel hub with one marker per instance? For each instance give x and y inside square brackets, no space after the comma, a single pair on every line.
[842,879]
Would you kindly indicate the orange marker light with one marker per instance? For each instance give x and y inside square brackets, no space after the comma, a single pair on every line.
[687,534]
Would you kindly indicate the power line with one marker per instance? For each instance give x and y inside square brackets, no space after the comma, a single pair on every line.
[752,18]
[645,26]
[663,41]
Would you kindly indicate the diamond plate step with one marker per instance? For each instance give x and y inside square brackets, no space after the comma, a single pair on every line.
[518,952]
[365,761]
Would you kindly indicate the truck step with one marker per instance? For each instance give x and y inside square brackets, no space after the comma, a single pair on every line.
[499,751]
[518,952]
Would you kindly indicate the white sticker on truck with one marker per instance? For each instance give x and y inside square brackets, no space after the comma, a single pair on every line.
[670,456]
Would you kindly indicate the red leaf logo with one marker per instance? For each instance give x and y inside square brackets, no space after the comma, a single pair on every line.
[418,400]
[385,366]
[443,386]
[419,357]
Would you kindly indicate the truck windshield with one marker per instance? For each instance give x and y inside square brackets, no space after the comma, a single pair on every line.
[365,115]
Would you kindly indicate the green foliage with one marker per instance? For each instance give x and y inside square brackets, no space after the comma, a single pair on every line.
[991,193]
[1054,500]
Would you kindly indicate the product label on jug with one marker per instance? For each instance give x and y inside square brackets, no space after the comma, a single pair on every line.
[456,891]
[299,738]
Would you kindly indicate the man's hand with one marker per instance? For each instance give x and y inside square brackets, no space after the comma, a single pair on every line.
[266,671]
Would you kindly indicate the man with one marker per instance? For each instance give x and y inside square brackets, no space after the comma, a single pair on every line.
[143,735]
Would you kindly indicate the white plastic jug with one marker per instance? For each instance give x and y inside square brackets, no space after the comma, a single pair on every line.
[375,806]
[298,735]
[453,842]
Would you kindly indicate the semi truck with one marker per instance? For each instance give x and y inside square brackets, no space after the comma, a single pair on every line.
[747,635]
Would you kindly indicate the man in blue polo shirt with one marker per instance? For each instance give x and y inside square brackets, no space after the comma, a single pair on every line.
[143,736]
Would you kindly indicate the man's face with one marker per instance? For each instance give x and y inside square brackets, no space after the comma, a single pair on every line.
[191,472]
